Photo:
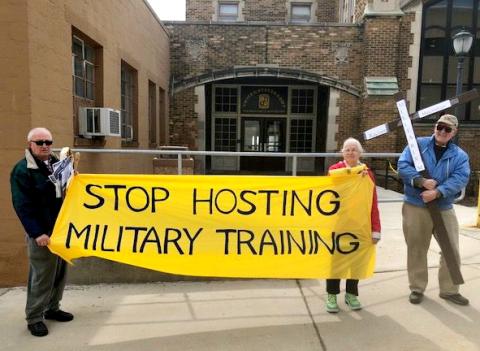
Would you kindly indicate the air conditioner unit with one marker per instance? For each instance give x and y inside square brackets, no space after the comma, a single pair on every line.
[99,121]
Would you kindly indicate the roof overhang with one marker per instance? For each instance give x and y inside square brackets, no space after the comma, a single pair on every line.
[381,86]
[178,85]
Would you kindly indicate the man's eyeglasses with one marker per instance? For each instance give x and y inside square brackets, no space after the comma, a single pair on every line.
[41,142]
[441,127]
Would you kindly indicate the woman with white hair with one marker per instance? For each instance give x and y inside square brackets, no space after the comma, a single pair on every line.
[352,150]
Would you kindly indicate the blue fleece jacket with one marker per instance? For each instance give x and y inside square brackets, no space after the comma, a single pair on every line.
[451,172]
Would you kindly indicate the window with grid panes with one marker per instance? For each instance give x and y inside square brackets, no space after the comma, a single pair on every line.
[302,101]
[128,102]
[83,61]
[225,99]
[301,135]
[225,134]
[438,64]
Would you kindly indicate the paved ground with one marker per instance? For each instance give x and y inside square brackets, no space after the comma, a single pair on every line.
[266,314]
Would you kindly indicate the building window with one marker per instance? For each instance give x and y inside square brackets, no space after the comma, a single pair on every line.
[225,134]
[83,62]
[226,99]
[301,135]
[87,79]
[162,123]
[129,103]
[302,100]
[152,114]
[438,63]
[301,13]
[228,11]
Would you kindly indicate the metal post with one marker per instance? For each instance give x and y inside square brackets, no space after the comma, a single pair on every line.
[179,158]
[294,165]
[478,202]
[458,88]
[386,175]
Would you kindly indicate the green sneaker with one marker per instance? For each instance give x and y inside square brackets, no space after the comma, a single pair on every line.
[352,301]
[332,306]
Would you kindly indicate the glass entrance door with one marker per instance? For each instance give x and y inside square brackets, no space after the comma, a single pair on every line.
[263,134]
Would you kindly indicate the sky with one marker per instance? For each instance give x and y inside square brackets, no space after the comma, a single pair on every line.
[169,10]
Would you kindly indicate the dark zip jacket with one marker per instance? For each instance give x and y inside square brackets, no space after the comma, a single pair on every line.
[33,195]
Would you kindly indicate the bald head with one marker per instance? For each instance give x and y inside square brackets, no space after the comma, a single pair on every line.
[33,133]
[39,142]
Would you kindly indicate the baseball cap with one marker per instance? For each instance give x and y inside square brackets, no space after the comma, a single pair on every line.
[449,120]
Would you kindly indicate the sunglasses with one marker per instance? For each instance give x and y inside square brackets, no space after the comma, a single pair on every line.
[441,127]
[41,142]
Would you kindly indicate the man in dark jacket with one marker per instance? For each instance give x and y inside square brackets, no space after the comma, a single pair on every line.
[37,205]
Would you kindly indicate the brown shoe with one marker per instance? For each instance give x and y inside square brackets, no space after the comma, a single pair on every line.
[456,299]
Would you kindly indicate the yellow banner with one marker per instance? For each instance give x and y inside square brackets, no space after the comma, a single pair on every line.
[221,226]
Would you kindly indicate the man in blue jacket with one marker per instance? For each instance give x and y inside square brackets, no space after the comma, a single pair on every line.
[449,169]
[37,205]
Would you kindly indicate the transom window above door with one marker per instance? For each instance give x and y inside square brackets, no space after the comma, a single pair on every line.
[302,100]
[225,99]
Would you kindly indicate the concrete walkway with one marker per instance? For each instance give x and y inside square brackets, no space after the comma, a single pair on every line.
[266,314]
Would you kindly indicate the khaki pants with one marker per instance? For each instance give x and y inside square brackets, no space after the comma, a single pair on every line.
[418,229]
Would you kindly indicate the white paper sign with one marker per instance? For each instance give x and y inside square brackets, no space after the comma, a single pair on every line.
[434,108]
[409,133]
[62,171]
[375,131]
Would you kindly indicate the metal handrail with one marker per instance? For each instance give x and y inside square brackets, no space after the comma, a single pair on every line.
[293,155]
[180,153]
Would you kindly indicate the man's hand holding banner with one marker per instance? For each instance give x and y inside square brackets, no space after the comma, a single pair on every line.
[222,226]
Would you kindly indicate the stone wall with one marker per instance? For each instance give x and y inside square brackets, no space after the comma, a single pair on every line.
[259,10]
[199,10]
[183,119]
[328,10]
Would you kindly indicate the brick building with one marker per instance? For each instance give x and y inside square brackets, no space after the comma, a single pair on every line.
[301,76]
[61,55]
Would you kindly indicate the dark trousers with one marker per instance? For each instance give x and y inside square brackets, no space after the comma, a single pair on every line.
[46,281]
[333,286]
